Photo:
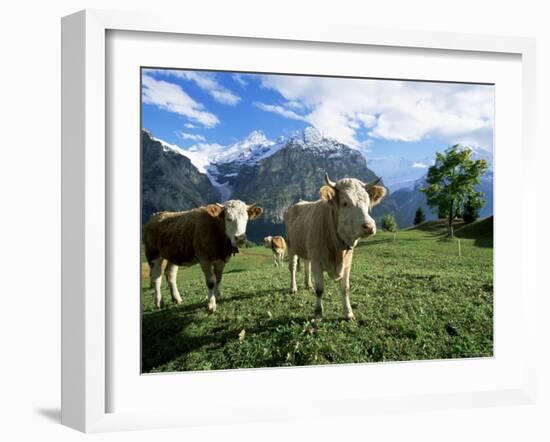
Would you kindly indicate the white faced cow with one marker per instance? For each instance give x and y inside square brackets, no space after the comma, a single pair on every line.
[207,235]
[323,233]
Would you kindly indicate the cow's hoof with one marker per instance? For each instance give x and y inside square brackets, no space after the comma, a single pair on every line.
[293,291]
[349,316]
[177,301]
[211,307]
[159,304]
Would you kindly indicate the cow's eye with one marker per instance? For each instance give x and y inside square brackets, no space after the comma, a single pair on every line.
[345,204]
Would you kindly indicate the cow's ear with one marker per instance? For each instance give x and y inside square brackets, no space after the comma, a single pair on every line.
[376,193]
[254,212]
[215,210]
[328,194]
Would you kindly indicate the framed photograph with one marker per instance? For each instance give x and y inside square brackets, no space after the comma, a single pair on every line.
[262,222]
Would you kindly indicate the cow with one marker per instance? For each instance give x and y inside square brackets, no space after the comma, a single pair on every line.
[277,245]
[206,235]
[324,233]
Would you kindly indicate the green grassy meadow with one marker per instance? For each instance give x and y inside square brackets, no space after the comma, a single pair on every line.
[413,297]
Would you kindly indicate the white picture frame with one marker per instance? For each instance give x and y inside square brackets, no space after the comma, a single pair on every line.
[85,236]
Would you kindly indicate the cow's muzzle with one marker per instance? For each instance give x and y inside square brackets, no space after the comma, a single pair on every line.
[369,229]
[240,240]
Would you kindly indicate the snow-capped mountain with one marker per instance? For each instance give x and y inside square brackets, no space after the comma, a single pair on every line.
[238,162]
[274,174]
[250,150]
[296,172]
[225,166]
[313,140]
[277,173]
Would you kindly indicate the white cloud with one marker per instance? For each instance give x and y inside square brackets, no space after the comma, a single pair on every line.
[190,126]
[420,165]
[171,97]
[238,78]
[187,136]
[367,120]
[206,81]
[295,105]
[280,110]
[405,111]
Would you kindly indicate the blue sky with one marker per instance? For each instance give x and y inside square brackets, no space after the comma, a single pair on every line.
[202,110]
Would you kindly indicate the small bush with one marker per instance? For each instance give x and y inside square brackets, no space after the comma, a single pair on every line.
[388,223]
[419,216]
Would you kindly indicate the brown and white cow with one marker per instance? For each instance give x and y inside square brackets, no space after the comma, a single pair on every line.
[277,245]
[207,235]
[323,233]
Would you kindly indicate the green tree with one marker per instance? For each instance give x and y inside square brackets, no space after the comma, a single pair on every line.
[471,208]
[451,181]
[389,223]
[419,216]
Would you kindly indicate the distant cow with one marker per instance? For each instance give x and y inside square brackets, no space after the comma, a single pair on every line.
[278,246]
[206,235]
[323,233]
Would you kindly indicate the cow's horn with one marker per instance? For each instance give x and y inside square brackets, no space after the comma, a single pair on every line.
[219,205]
[328,181]
[372,183]
[252,205]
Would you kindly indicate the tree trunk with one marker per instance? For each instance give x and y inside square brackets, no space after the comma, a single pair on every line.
[451,216]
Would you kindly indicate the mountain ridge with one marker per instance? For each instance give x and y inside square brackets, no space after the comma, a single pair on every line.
[278,173]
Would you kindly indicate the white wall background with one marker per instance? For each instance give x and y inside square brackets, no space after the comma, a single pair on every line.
[30,215]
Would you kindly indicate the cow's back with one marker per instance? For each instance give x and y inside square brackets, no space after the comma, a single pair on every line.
[311,234]
[185,237]
[278,244]
[298,220]
[152,233]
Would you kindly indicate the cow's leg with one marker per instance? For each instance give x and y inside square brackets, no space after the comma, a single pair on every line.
[156,277]
[293,263]
[275,260]
[307,274]
[171,273]
[218,272]
[344,290]
[151,281]
[319,287]
[210,278]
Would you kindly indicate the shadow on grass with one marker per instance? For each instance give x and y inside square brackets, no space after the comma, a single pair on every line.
[164,335]
[165,339]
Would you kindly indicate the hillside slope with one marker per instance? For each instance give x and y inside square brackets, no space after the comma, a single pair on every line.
[169,181]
